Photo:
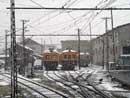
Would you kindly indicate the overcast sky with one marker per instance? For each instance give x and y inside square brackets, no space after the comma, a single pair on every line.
[62,22]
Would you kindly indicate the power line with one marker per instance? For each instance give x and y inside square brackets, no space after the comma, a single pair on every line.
[37,3]
[56,16]
[76,9]
[53,12]
[58,35]
[75,20]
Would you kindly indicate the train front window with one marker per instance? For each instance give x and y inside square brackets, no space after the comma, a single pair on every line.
[65,56]
[69,56]
[54,57]
[74,56]
[47,57]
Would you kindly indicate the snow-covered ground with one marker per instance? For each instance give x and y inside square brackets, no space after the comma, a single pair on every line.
[106,84]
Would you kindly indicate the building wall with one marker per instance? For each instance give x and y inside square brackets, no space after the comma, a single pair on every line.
[73,44]
[121,38]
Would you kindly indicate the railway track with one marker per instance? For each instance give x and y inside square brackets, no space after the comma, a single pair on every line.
[103,94]
[81,88]
[85,88]
[68,85]
[42,90]
[84,93]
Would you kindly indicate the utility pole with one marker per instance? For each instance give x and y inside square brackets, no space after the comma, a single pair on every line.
[107,41]
[14,84]
[5,67]
[113,37]
[41,45]
[79,48]
[103,52]
[41,52]
[90,44]
[23,50]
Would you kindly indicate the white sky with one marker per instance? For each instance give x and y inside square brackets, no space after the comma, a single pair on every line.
[62,22]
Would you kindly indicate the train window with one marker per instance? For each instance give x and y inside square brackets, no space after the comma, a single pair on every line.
[48,57]
[69,56]
[65,56]
[74,56]
[54,57]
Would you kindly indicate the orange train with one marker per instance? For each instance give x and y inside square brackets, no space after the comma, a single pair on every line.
[67,58]
[50,59]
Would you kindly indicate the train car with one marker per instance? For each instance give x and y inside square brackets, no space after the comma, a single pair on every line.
[50,59]
[68,59]
[84,59]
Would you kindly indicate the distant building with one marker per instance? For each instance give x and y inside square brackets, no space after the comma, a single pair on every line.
[73,44]
[101,45]
[24,57]
[37,47]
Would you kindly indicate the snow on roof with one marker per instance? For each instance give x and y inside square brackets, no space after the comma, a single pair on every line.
[82,53]
[26,47]
[69,51]
[2,56]
[48,51]
[125,55]
[87,53]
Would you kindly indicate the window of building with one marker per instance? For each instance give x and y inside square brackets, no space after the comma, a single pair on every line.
[69,56]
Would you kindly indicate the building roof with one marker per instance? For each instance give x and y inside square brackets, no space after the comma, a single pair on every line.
[120,26]
[48,51]
[68,51]
[125,55]
[26,47]
[74,41]
[30,41]
[3,56]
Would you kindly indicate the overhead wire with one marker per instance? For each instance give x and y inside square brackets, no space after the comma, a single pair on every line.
[64,5]
[37,3]
[52,17]
[70,25]
[5,2]
[69,0]
[86,13]
[95,15]
[69,13]
[106,5]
